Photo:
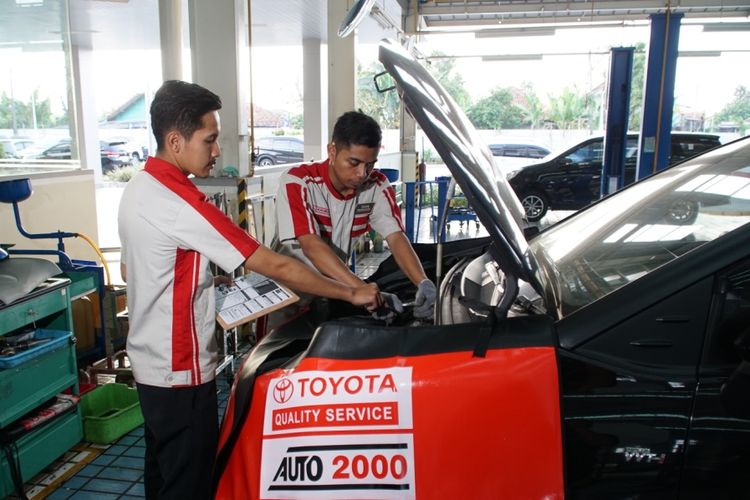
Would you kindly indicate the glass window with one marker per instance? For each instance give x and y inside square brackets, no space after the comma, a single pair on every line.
[35,89]
[626,236]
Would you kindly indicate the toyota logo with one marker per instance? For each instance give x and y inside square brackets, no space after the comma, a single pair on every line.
[283,390]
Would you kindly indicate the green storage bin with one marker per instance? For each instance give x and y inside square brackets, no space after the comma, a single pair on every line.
[109,412]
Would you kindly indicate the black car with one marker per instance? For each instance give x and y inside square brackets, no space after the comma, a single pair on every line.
[518,150]
[605,357]
[571,180]
[112,155]
[278,149]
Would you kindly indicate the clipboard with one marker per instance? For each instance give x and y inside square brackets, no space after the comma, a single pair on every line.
[248,297]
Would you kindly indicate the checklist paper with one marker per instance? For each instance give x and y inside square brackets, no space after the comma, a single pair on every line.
[248,297]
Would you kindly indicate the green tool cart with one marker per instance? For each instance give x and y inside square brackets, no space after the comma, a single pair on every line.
[35,378]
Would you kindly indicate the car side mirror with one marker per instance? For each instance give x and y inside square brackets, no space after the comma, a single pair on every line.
[565,162]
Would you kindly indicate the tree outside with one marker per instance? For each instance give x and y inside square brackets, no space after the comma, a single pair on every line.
[737,112]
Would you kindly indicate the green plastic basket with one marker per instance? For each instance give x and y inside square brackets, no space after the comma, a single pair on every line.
[109,412]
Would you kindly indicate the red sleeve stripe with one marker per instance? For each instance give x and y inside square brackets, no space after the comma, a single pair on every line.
[390,195]
[298,203]
[182,187]
[184,336]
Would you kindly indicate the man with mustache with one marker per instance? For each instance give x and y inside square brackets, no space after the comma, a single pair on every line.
[169,234]
[321,208]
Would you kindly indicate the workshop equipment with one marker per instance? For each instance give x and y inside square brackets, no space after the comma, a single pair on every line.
[16,190]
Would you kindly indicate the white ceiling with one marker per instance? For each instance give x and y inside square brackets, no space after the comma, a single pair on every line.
[133,24]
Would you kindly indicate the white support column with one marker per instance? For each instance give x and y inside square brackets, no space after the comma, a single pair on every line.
[314,100]
[408,130]
[341,63]
[170,35]
[86,124]
[219,42]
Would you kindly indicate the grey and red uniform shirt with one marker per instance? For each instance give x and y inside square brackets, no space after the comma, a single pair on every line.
[169,234]
[307,203]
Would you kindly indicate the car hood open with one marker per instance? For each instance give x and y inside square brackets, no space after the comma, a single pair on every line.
[466,156]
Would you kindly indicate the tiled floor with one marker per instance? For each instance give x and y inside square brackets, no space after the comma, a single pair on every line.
[116,471]
[103,472]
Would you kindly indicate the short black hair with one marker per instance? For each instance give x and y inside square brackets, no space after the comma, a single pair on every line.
[355,127]
[180,105]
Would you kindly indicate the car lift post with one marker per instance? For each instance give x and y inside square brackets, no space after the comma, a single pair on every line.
[658,96]
[620,79]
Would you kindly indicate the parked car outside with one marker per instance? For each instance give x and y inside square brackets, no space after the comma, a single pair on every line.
[276,150]
[112,156]
[13,147]
[512,156]
[605,357]
[138,152]
[519,150]
[571,179]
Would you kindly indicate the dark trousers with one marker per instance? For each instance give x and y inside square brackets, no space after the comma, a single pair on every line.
[181,432]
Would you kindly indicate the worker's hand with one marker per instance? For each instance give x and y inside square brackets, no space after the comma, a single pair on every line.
[222,280]
[391,306]
[424,303]
[367,295]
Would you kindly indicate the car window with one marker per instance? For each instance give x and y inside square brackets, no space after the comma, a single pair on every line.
[684,147]
[536,152]
[625,237]
[590,152]
[297,147]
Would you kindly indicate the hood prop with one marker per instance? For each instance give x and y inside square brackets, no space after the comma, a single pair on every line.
[439,250]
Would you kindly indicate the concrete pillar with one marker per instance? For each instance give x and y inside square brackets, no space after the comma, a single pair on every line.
[341,63]
[314,99]
[170,35]
[220,58]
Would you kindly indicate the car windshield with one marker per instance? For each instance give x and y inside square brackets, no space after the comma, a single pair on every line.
[631,233]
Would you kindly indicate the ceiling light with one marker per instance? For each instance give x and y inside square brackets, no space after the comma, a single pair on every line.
[726,27]
[512,57]
[699,53]
[526,31]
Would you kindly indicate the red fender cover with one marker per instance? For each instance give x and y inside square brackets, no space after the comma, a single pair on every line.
[439,426]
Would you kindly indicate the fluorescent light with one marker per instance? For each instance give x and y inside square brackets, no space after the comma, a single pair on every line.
[514,32]
[383,19]
[699,53]
[512,57]
[726,27]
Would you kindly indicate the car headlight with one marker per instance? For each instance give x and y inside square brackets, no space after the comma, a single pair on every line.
[512,174]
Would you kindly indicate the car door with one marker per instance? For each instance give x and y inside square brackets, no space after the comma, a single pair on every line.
[576,176]
[627,395]
[718,451]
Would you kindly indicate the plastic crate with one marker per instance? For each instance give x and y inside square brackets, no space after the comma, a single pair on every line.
[109,412]
[58,338]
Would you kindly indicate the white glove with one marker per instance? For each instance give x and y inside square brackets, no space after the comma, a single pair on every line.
[425,299]
[391,306]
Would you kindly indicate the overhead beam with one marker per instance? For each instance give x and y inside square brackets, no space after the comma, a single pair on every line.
[437,8]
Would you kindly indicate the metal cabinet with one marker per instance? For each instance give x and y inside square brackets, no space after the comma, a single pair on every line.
[34,381]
